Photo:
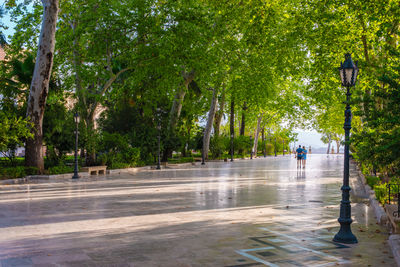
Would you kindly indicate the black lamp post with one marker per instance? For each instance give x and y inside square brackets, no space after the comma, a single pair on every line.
[275,146]
[232,148]
[76,119]
[159,139]
[348,74]
[283,147]
[252,150]
[264,145]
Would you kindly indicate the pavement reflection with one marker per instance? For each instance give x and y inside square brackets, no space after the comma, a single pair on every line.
[256,212]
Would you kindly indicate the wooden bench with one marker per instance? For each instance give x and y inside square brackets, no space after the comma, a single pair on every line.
[95,170]
[394,220]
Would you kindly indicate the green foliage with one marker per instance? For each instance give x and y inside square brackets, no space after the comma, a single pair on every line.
[17,172]
[372,180]
[117,152]
[119,165]
[381,192]
[13,131]
[377,143]
[60,169]
[58,128]
[270,148]
[218,145]
[244,144]
[277,57]
[181,160]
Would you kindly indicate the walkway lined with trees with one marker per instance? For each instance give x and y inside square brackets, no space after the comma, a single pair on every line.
[206,71]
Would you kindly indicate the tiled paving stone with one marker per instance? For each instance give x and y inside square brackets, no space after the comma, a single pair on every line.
[190,216]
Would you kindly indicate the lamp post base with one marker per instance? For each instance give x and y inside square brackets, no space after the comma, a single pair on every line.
[75,176]
[345,235]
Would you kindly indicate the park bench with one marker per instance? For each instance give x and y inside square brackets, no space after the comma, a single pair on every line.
[392,207]
[95,170]
[394,220]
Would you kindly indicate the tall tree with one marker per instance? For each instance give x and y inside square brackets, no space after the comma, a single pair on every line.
[211,115]
[40,84]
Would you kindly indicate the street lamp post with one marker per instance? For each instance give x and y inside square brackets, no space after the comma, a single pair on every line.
[252,150]
[348,74]
[76,119]
[263,141]
[275,146]
[232,147]
[159,139]
[283,148]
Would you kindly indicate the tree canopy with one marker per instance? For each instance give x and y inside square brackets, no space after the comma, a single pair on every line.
[187,66]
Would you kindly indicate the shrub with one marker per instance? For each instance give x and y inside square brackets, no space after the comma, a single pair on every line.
[217,146]
[13,172]
[131,155]
[31,170]
[60,169]
[119,165]
[117,152]
[270,148]
[372,180]
[17,172]
[243,143]
[381,192]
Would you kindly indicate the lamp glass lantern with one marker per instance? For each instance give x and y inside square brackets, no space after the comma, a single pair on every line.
[76,117]
[348,71]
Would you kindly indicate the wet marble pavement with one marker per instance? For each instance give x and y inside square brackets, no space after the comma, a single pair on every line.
[246,213]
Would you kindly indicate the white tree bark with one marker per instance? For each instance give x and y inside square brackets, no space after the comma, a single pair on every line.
[207,130]
[329,143]
[40,84]
[337,146]
[256,134]
[178,100]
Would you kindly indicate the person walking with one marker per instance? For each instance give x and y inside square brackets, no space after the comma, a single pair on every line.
[304,156]
[299,153]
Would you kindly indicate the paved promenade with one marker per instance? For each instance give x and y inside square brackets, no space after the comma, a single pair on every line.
[260,212]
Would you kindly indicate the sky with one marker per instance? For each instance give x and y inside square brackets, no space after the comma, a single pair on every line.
[306,138]
[309,138]
[7,22]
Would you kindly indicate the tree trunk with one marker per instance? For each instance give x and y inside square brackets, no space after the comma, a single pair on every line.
[90,159]
[257,133]
[337,146]
[207,130]
[243,124]
[40,84]
[176,109]
[219,114]
[329,144]
[178,100]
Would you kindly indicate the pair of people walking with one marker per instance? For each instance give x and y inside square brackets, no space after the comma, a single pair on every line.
[301,155]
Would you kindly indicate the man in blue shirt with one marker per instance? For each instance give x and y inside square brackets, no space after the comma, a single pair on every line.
[299,154]
[304,156]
